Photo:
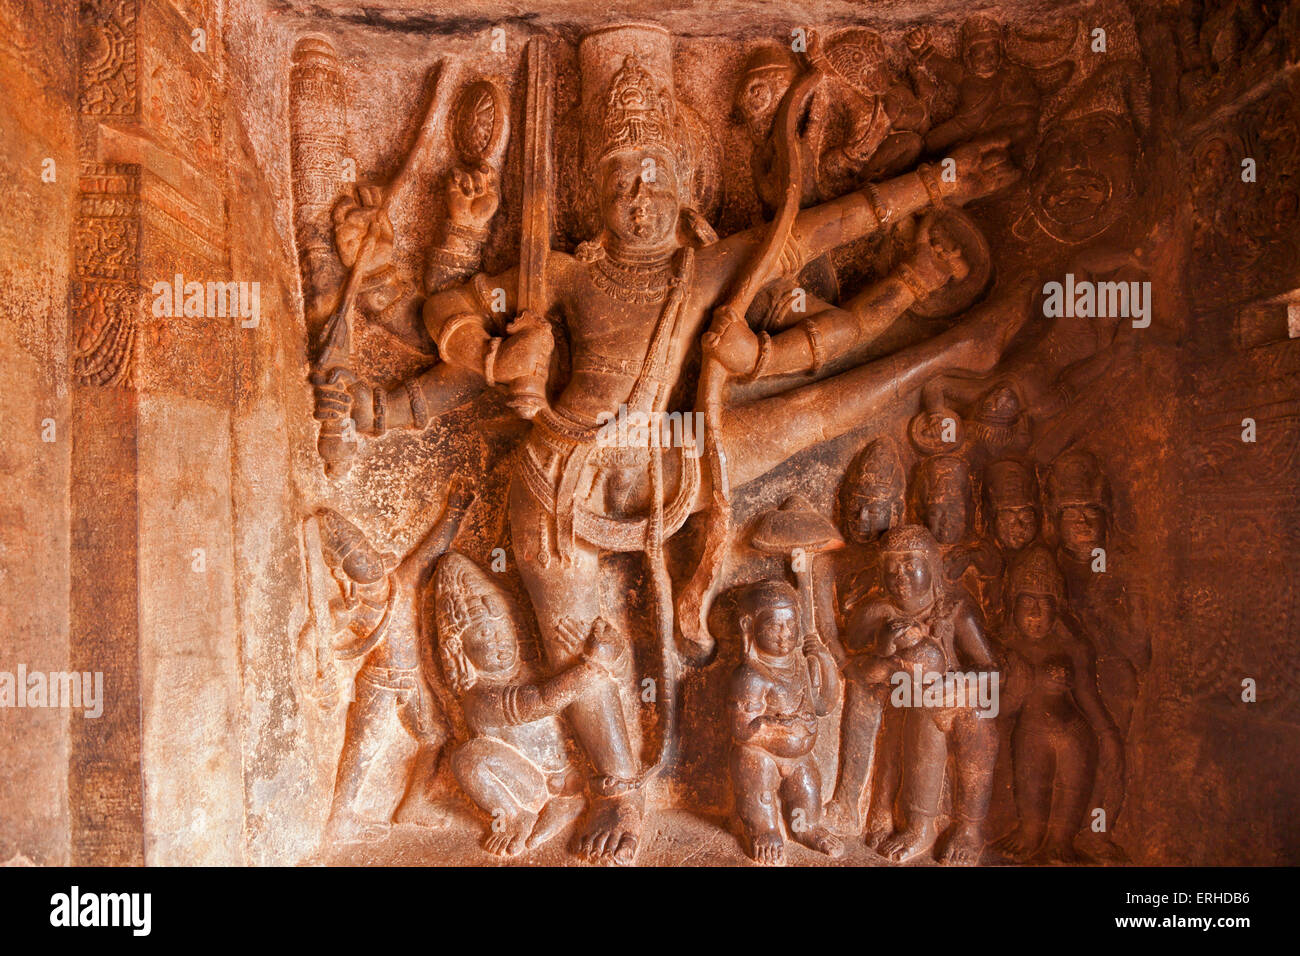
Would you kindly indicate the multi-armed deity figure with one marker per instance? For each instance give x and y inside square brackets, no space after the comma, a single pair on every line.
[785,682]
[918,625]
[634,303]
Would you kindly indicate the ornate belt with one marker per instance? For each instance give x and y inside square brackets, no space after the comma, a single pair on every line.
[554,458]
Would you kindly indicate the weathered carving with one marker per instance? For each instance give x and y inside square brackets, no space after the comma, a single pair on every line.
[1063,738]
[106,297]
[912,639]
[393,719]
[786,681]
[514,766]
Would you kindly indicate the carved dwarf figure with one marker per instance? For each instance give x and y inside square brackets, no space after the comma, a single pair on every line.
[1059,717]
[393,714]
[515,766]
[995,97]
[775,698]
[917,624]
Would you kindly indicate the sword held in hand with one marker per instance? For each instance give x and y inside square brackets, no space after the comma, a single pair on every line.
[528,394]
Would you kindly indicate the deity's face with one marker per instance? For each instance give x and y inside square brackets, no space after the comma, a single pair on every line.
[638,198]
[946,514]
[1000,403]
[1015,527]
[983,57]
[774,630]
[489,640]
[759,97]
[1082,528]
[1082,178]
[873,518]
[1034,615]
[908,579]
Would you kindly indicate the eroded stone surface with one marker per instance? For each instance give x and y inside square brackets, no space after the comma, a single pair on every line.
[972,334]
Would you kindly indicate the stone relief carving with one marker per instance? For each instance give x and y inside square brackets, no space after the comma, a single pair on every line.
[626,307]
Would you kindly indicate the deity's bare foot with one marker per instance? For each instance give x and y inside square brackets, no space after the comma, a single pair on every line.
[766,848]
[1057,851]
[1018,844]
[508,834]
[911,841]
[879,827]
[964,845]
[842,818]
[558,813]
[821,839]
[613,829]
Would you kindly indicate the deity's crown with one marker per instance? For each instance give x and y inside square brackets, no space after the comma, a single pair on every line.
[1010,484]
[1036,572]
[940,474]
[345,547]
[639,114]
[1116,89]
[910,537]
[1076,479]
[459,587]
[876,474]
[980,27]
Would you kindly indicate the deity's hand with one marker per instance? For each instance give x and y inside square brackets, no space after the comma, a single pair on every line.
[526,351]
[735,345]
[983,167]
[353,222]
[340,395]
[917,39]
[938,256]
[472,196]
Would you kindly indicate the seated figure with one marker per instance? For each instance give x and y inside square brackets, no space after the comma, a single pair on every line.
[515,766]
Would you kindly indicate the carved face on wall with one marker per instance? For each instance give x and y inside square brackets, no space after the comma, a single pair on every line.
[1082,179]
[873,518]
[983,57]
[773,630]
[489,640]
[639,198]
[945,497]
[1034,615]
[759,97]
[1082,528]
[1015,527]
[909,579]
